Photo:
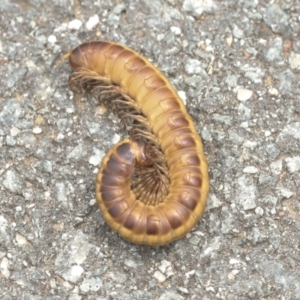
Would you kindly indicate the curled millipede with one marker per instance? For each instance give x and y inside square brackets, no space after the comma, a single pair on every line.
[151,188]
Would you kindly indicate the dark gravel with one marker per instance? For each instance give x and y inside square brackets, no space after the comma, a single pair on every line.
[237,64]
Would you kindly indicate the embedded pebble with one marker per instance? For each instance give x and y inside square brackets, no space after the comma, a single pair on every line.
[16,75]
[130,263]
[274,53]
[183,290]
[37,130]
[119,8]
[244,94]
[75,24]
[206,135]
[117,276]
[213,202]
[290,130]
[273,91]
[182,96]
[21,240]
[116,138]
[164,266]
[255,74]
[52,39]
[286,193]
[193,66]
[276,18]
[113,19]
[259,211]
[293,164]
[294,60]
[10,141]
[176,30]
[250,170]
[78,152]
[69,260]
[198,7]
[12,182]
[159,276]
[246,193]
[276,167]
[75,297]
[91,284]
[170,295]
[92,22]
[250,144]
[190,274]
[73,274]
[4,267]
[287,80]
[237,32]
[97,157]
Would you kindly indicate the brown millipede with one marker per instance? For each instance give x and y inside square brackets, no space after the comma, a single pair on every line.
[151,188]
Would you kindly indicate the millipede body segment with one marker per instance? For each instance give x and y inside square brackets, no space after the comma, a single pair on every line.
[151,187]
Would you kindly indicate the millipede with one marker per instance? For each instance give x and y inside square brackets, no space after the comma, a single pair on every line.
[151,187]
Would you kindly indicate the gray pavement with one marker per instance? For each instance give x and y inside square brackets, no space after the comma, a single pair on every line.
[236,63]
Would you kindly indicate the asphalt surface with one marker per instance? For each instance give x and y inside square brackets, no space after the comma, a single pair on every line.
[237,66]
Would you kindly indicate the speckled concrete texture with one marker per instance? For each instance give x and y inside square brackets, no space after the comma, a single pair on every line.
[236,64]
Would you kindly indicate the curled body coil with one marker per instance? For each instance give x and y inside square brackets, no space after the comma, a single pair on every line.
[151,188]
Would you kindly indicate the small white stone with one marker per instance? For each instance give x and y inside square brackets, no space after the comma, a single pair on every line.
[176,30]
[267,133]
[293,164]
[249,144]
[75,24]
[116,138]
[19,208]
[183,290]
[235,272]
[190,274]
[37,130]
[52,39]
[75,272]
[100,110]
[97,157]
[237,32]
[92,22]
[32,24]
[273,91]
[60,136]
[229,40]
[4,267]
[159,276]
[286,193]
[166,268]
[182,96]
[234,261]
[244,94]
[164,265]
[245,124]
[14,131]
[294,60]
[21,240]
[20,19]
[276,167]
[259,211]
[250,170]
[92,202]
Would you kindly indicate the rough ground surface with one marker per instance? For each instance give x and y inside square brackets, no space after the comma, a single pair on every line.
[238,63]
